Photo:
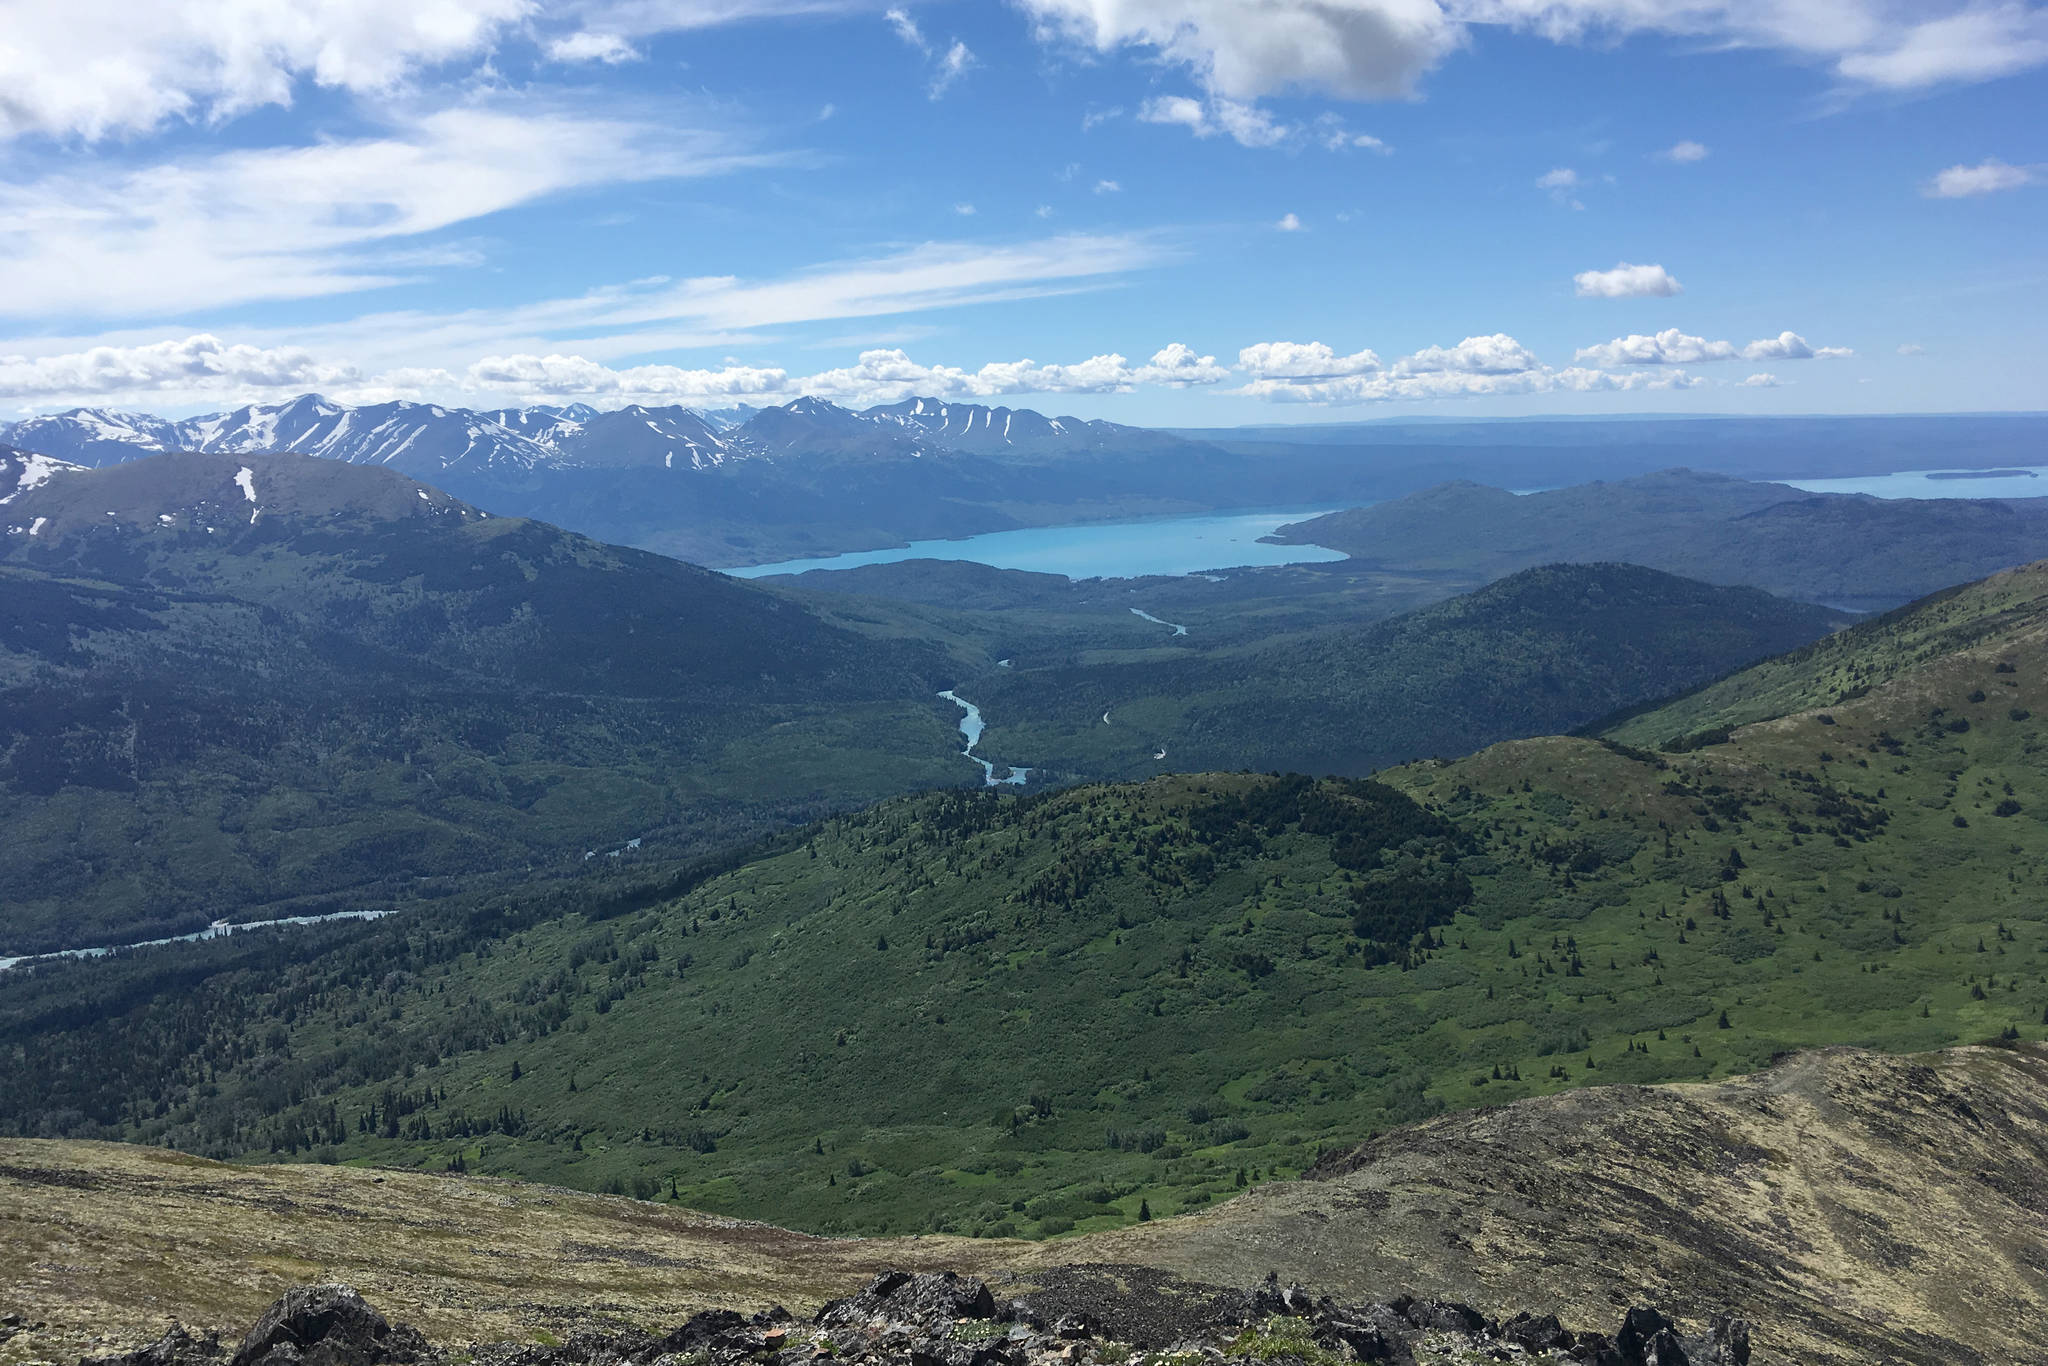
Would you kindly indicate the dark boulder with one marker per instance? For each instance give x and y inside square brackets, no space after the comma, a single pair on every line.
[1441,1316]
[926,1298]
[175,1348]
[1537,1334]
[326,1325]
[1647,1338]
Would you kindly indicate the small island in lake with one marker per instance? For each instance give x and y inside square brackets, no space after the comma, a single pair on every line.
[1984,474]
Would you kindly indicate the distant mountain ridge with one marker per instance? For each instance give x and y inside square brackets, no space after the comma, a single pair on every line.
[734,486]
[428,439]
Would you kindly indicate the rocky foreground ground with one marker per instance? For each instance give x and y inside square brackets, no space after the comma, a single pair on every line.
[1854,1208]
[1094,1317]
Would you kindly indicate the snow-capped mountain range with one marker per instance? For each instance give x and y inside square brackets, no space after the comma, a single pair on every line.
[428,441]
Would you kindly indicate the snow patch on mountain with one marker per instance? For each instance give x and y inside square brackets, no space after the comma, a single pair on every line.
[35,471]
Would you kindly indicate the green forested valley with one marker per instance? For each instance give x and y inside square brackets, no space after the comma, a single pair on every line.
[1028,1014]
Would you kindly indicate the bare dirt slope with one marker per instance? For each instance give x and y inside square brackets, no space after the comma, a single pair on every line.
[1855,1207]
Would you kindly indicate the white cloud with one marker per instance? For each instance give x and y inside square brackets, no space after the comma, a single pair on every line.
[1761,381]
[1303,360]
[1178,366]
[1912,349]
[1986,177]
[1685,152]
[1380,49]
[964,210]
[1096,117]
[1792,346]
[956,61]
[906,29]
[1246,124]
[881,375]
[201,363]
[1498,354]
[1042,211]
[588,46]
[1626,282]
[1108,187]
[1358,49]
[947,66]
[1289,223]
[1669,347]
[654,315]
[1177,109]
[1979,43]
[102,68]
[1673,347]
[1561,184]
[1312,372]
[297,222]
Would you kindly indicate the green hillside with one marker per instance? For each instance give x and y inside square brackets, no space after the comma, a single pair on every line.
[1000,1014]
[1996,614]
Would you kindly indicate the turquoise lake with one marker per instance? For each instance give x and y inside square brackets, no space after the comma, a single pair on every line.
[1106,550]
[2013,482]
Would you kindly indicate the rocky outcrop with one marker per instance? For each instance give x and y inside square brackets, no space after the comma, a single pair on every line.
[945,1319]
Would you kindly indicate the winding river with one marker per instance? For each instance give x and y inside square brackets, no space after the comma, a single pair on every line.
[220,929]
[1178,629]
[971,727]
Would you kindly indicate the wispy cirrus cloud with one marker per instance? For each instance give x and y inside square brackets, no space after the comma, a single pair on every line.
[222,228]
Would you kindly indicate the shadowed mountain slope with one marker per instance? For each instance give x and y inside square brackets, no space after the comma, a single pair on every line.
[238,685]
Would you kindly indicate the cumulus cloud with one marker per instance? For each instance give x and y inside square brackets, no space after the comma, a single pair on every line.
[102,68]
[1673,347]
[1357,49]
[1380,49]
[1303,360]
[1498,354]
[1289,222]
[1179,367]
[199,363]
[1626,282]
[1108,187]
[1312,372]
[1685,152]
[1792,346]
[1912,349]
[1986,177]
[880,375]
[1761,381]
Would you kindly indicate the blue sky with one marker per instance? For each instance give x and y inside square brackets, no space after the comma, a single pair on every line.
[1198,212]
